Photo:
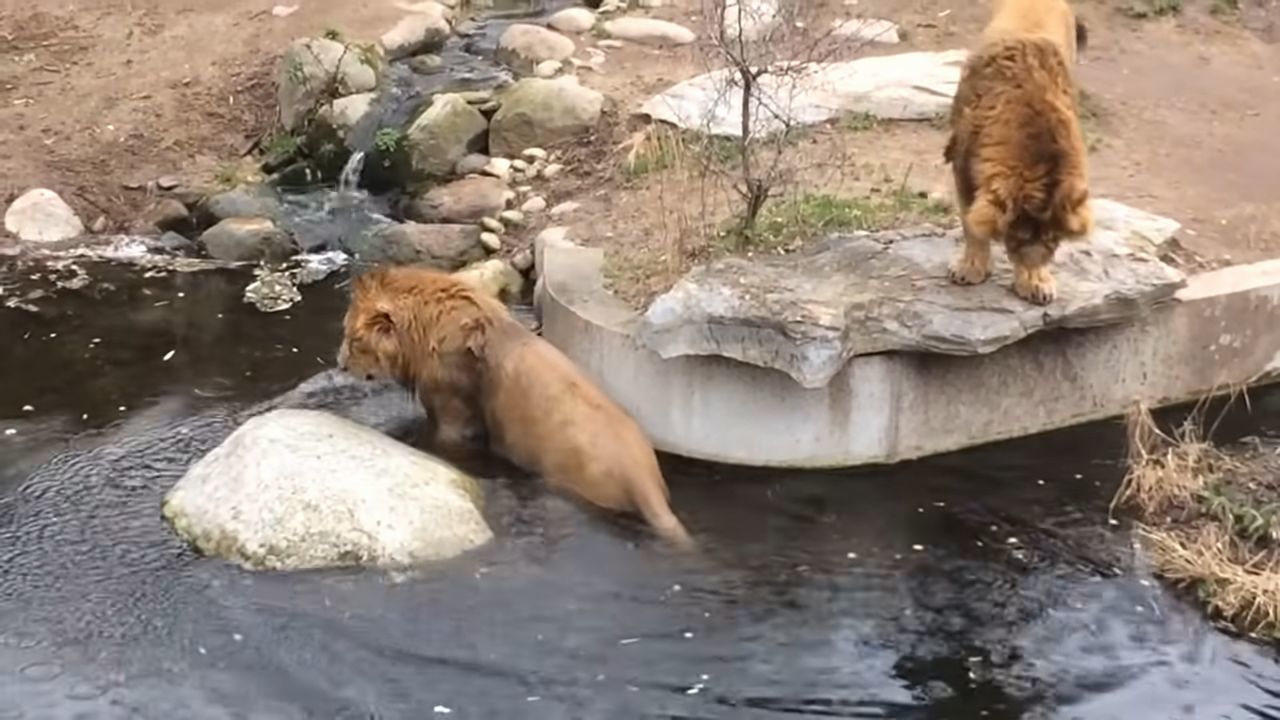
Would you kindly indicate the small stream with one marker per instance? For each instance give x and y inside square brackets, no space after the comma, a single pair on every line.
[985,584]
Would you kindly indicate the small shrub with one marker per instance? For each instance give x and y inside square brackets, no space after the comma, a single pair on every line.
[1152,8]
[388,140]
[332,34]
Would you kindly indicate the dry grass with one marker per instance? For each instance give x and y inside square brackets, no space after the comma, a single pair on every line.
[1166,471]
[1237,582]
[1174,482]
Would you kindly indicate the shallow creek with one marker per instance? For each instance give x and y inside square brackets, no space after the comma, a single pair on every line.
[986,584]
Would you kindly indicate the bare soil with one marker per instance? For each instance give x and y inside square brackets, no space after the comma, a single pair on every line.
[111,93]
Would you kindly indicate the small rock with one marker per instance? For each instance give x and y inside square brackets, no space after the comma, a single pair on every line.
[99,225]
[475,97]
[649,31]
[535,204]
[247,240]
[563,209]
[345,113]
[869,30]
[461,201]
[494,277]
[443,134]
[167,214]
[533,154]
[168,182]
[446,247]
[523,189]
[509,196]
[519,165]
[522,261]
[174,244]
[472,164]
[611,44]
[539,113]
[499,168]
[39,215]
[492,225]
[419,32]
[299,489]
[573,20]
[523,46]
[548,68]
[425,64]
[491,241]
[511,217]
[552,170]
[651,4]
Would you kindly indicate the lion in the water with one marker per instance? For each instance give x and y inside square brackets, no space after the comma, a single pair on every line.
[480,374]
[1016,149]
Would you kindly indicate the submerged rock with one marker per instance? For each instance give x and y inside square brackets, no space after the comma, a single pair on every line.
[314,68]
[302,489]
[865,293]
[444,134]
[462,201]
[447,247]
[40,215]
[537,113]
[906,86]
[247,240]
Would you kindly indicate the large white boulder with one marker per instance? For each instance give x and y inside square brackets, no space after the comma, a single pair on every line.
[39,215]
[304,489]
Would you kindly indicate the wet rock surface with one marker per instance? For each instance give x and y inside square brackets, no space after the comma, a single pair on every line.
[303,489]
[865,293]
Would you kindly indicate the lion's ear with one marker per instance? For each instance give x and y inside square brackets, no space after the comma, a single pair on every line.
[380,321]
[475,333]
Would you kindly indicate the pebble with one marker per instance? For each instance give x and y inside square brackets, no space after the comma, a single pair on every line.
[524,189]
[564,208]
[534,153]
[519,165]
[490,241]
[498,167]
[512,217]
[167,182]
[492,225]
[552,170]
[522,261]
[610,44]
[535,204]
[548,68]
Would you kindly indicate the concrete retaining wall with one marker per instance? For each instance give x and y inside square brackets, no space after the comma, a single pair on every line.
[1223,329]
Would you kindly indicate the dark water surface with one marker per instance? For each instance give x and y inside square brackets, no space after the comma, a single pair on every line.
[986,584]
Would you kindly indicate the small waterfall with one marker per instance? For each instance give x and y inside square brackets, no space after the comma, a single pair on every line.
[349,180]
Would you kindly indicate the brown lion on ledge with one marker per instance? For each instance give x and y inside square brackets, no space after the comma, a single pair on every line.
[1016,149]
[482,375]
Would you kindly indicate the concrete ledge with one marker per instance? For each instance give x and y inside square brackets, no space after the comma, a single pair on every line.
[1222,329]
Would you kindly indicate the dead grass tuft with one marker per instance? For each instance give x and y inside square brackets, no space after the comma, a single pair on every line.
[1166,471]
[1239,583]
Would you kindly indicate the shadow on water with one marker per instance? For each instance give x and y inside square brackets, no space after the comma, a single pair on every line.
[985,584]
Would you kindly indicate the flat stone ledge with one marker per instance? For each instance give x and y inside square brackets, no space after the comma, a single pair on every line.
[808,313]
[1221,329]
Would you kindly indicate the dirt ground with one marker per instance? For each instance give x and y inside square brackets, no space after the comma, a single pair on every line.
[106,93]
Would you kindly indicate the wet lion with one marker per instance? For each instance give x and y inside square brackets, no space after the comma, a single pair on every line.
[482,376]
[1016,149]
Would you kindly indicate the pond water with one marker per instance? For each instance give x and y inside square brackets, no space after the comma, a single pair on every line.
[985,584]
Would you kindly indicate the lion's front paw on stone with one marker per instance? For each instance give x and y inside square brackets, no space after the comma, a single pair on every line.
[966,272]
[1036,286]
